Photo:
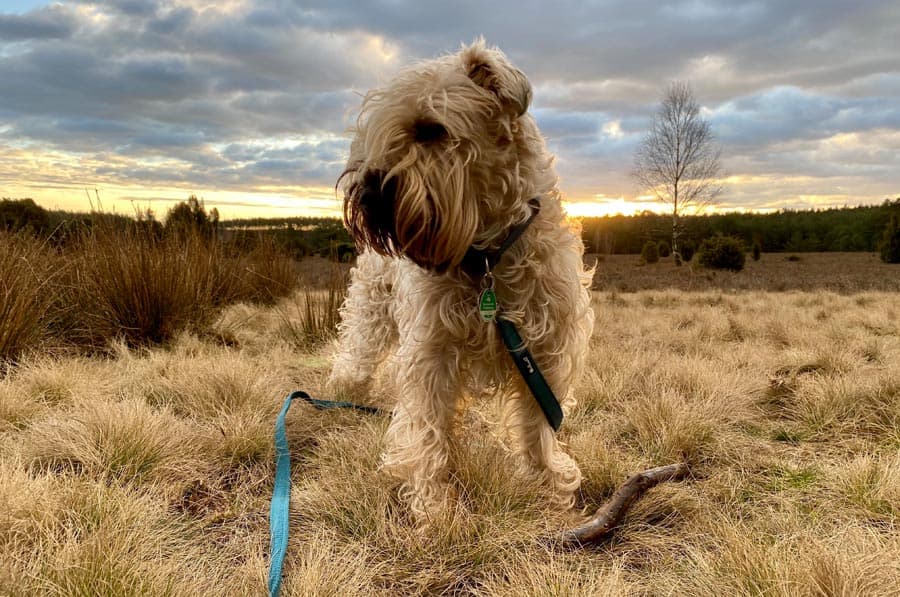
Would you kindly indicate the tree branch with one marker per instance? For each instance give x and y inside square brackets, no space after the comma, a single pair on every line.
[607,518]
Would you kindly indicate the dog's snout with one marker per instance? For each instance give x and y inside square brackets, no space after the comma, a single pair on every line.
[372,186]
[376,191]
[428,131]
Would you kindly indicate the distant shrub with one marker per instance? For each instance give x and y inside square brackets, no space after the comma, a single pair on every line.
[756,251]
[664,249]
[792,258]
[650,252]
[722,252]
[890,241]
[687,250]
[23,214]
[190,218]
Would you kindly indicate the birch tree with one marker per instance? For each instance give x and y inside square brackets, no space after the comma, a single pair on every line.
[678,160]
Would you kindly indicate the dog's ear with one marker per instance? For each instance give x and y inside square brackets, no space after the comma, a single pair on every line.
[489,68]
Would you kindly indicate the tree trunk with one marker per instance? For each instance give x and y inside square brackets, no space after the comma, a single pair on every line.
[675,254]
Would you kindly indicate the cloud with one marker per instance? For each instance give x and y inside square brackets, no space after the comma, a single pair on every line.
[248,95]
[46,23]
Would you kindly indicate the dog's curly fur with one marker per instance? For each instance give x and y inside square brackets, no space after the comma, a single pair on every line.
[445,158]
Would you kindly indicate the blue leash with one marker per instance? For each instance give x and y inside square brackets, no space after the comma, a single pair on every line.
[281,493]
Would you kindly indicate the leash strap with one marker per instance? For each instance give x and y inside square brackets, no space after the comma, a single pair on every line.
[279,523]
[532,375]
[281,499]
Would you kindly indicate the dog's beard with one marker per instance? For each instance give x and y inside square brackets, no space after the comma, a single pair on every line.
[418,209]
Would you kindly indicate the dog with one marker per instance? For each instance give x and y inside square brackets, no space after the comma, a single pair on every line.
[445,162]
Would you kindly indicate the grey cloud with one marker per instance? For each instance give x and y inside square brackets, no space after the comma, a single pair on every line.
[171,22]
[46,23]
[788,112]
[133,8]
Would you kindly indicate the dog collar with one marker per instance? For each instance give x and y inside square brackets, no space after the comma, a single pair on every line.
[476,261]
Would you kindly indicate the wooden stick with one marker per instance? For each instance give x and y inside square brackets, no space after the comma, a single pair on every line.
[610,514]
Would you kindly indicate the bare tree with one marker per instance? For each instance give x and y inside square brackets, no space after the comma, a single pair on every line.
[678,160]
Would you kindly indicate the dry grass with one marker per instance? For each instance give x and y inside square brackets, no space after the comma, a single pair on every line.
[125,284]
[836,272]
[131,285]
[149,471]
[28,274]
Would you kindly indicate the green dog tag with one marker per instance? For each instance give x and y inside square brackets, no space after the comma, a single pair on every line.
[487,304]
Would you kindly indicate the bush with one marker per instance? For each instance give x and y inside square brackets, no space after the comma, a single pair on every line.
[664,249]
[190,218]
[650,252]
[722,252]
[890,242]
[312,317]
[687,250]
[756,251]
[23,214]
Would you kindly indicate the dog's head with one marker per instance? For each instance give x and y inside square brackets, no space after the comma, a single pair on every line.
[435,160]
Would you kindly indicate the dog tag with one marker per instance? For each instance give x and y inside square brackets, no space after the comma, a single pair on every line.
[487,304]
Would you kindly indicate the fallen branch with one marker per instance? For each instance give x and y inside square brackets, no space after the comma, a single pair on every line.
[610,514]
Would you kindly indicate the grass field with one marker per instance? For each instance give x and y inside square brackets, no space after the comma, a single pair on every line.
[149,471]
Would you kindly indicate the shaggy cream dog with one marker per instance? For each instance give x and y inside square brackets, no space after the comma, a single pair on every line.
[446,159]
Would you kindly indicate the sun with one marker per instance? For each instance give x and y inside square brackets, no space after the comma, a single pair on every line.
[602,206]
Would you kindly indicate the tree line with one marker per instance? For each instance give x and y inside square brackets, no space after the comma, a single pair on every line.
[838,229]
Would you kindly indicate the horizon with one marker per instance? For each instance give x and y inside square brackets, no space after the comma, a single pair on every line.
[137,211]
[246,104]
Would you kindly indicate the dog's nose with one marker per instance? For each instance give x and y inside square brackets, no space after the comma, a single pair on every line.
[372,183]
[376,192]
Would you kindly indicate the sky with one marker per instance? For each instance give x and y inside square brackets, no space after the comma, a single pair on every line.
[247,104]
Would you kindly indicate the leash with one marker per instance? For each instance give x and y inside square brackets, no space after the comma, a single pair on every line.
[489,309]
[487,305]
[281,494]
[533,377]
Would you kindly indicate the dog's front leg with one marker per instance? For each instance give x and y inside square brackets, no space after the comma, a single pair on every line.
[418,436]
[541,453]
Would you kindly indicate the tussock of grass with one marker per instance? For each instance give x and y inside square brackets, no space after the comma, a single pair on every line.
[668,430]
[16,410]
[214,385]
[139,288]
[149,471]
[126,441]
[28,275]
[131,284]
[872,483]
[58,382]
[311,319]
[326,566]
[551,573]
[263,275]
[72,536]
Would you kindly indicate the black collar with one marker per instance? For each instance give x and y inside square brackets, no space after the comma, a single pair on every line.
[478,262]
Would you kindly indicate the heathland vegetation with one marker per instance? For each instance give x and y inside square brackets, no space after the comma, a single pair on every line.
[144,363]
